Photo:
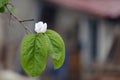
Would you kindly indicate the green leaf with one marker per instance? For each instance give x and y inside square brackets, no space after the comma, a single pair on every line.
[2,9]
[34,54]
[3,3]
[56,48]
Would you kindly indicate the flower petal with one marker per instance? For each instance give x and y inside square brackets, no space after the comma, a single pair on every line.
[40,27]
[44,27]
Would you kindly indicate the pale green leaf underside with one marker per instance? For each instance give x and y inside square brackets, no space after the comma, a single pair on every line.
[34,54]
[56,48]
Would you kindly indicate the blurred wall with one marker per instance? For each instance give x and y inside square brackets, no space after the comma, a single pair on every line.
[12,32]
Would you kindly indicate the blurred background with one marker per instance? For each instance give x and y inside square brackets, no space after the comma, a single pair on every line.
[90,29]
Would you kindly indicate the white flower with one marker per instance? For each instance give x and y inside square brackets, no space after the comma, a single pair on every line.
[40,27]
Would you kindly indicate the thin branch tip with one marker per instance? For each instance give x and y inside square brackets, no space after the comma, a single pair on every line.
[20,21]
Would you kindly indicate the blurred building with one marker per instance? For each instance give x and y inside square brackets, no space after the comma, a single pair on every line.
[96,26]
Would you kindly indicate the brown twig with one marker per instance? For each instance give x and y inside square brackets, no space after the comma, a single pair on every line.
[20,21]
[27,20]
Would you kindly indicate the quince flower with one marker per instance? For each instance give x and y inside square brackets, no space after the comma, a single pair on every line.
[40,27]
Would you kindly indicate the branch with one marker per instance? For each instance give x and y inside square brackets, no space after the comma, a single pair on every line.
[27,20]
[20,21]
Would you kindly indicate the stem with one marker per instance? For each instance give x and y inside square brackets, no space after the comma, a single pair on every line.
[21,21]
[27,20]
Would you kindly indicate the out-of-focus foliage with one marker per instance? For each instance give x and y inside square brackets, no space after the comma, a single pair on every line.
[2,5]
[2,9]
